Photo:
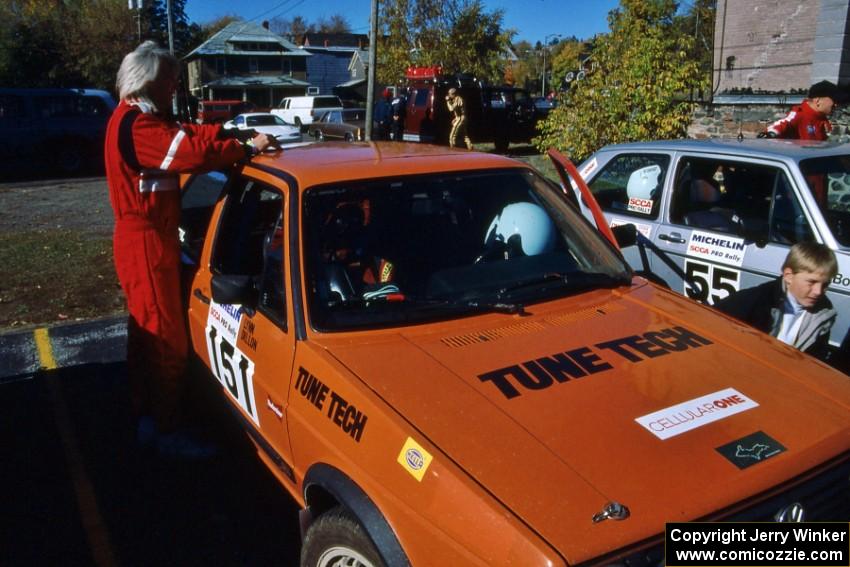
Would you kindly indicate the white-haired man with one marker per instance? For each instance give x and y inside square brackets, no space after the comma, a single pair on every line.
[145,151]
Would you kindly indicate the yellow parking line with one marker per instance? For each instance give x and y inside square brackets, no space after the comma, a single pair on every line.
[96,532]
[45,350]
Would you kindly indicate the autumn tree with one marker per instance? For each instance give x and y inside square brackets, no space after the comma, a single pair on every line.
[567,57]
[103,32]
[637,92]
[698,22]
[459,35]
[78,43]
[32,44]
[155,14]
[334,24]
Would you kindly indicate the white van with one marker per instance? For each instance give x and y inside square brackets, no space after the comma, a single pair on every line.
[302,110]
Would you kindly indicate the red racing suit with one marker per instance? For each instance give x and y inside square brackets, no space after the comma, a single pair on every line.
[802,123]
[144,154]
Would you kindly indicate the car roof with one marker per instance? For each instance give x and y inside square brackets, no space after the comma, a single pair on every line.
[247,114]
[331,162]
[795,150]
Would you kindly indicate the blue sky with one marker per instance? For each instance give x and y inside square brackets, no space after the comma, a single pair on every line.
[532,19]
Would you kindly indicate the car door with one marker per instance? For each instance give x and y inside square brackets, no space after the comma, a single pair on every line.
[248,344]
[334,127]
[728,225]
[630,189]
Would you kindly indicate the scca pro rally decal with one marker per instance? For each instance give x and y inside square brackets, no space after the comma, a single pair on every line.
[343,414]
[643,206]
[232,367]
[561,367]
[751,450]
[726,249]
[683,417]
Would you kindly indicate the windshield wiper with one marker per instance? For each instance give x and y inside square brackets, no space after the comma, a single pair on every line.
[574,281]
[463,304]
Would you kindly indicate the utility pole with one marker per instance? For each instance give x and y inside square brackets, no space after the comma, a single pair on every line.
[137,5]
[545,49]
[170,26]
[170,16]
[371,71]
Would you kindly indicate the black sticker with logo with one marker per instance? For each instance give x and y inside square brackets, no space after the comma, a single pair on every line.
[751,450]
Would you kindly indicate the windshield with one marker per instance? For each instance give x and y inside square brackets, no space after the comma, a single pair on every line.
[265,120]
[411,249]
[829,181]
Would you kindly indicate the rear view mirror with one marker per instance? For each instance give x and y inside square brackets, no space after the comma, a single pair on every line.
[626,235]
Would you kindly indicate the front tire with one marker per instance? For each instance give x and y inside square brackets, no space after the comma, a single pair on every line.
[337,539]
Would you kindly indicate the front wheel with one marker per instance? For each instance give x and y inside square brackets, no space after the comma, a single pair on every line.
[337,539]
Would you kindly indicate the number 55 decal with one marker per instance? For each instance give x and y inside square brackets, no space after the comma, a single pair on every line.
[234,370]
[713,282]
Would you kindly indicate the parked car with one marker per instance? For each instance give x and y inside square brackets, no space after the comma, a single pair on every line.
[727,212]
[217,111]
[303,110]
[420,341]
[266,123]
[544,105]
[348,124]
[59,130]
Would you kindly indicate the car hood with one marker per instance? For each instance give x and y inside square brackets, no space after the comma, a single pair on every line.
[555,451]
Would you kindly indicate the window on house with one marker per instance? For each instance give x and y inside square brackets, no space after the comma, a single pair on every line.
[253,65]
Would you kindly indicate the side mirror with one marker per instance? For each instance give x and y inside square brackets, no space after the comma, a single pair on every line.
[626,235]
[234,289]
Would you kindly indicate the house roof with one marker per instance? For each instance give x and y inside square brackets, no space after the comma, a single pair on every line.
[233,39]
[351,40]
[361,55]
[256,81]
[352,83]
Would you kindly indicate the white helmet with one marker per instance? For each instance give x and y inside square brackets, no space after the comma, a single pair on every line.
[525,224]
[643,182]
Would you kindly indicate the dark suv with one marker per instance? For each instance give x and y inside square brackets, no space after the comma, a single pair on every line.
[59,130]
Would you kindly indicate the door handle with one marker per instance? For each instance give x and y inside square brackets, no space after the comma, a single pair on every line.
[200,295]
[672,237]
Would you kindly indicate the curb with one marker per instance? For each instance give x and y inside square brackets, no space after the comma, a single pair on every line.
[101,340]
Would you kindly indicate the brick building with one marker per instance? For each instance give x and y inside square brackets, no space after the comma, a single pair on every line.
[766,55]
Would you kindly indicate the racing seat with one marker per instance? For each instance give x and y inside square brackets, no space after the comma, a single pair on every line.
[703,198]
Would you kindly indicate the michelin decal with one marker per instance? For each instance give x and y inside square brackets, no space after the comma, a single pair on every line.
[726,249]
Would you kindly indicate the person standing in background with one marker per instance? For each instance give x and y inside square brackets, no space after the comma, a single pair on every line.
[810,119]
[459,127]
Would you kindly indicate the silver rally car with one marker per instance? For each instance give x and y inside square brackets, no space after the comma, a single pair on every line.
[726,212]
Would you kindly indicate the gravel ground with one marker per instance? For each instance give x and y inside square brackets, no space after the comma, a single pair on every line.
[56,252]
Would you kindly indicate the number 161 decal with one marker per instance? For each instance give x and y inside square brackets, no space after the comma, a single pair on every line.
[234,370]
[713,283]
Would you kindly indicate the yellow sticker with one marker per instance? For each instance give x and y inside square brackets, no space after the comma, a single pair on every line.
[414,458]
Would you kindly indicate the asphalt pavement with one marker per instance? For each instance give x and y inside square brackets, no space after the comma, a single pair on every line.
[77,490]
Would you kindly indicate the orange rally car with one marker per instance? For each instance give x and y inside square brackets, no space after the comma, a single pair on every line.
[445,364]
